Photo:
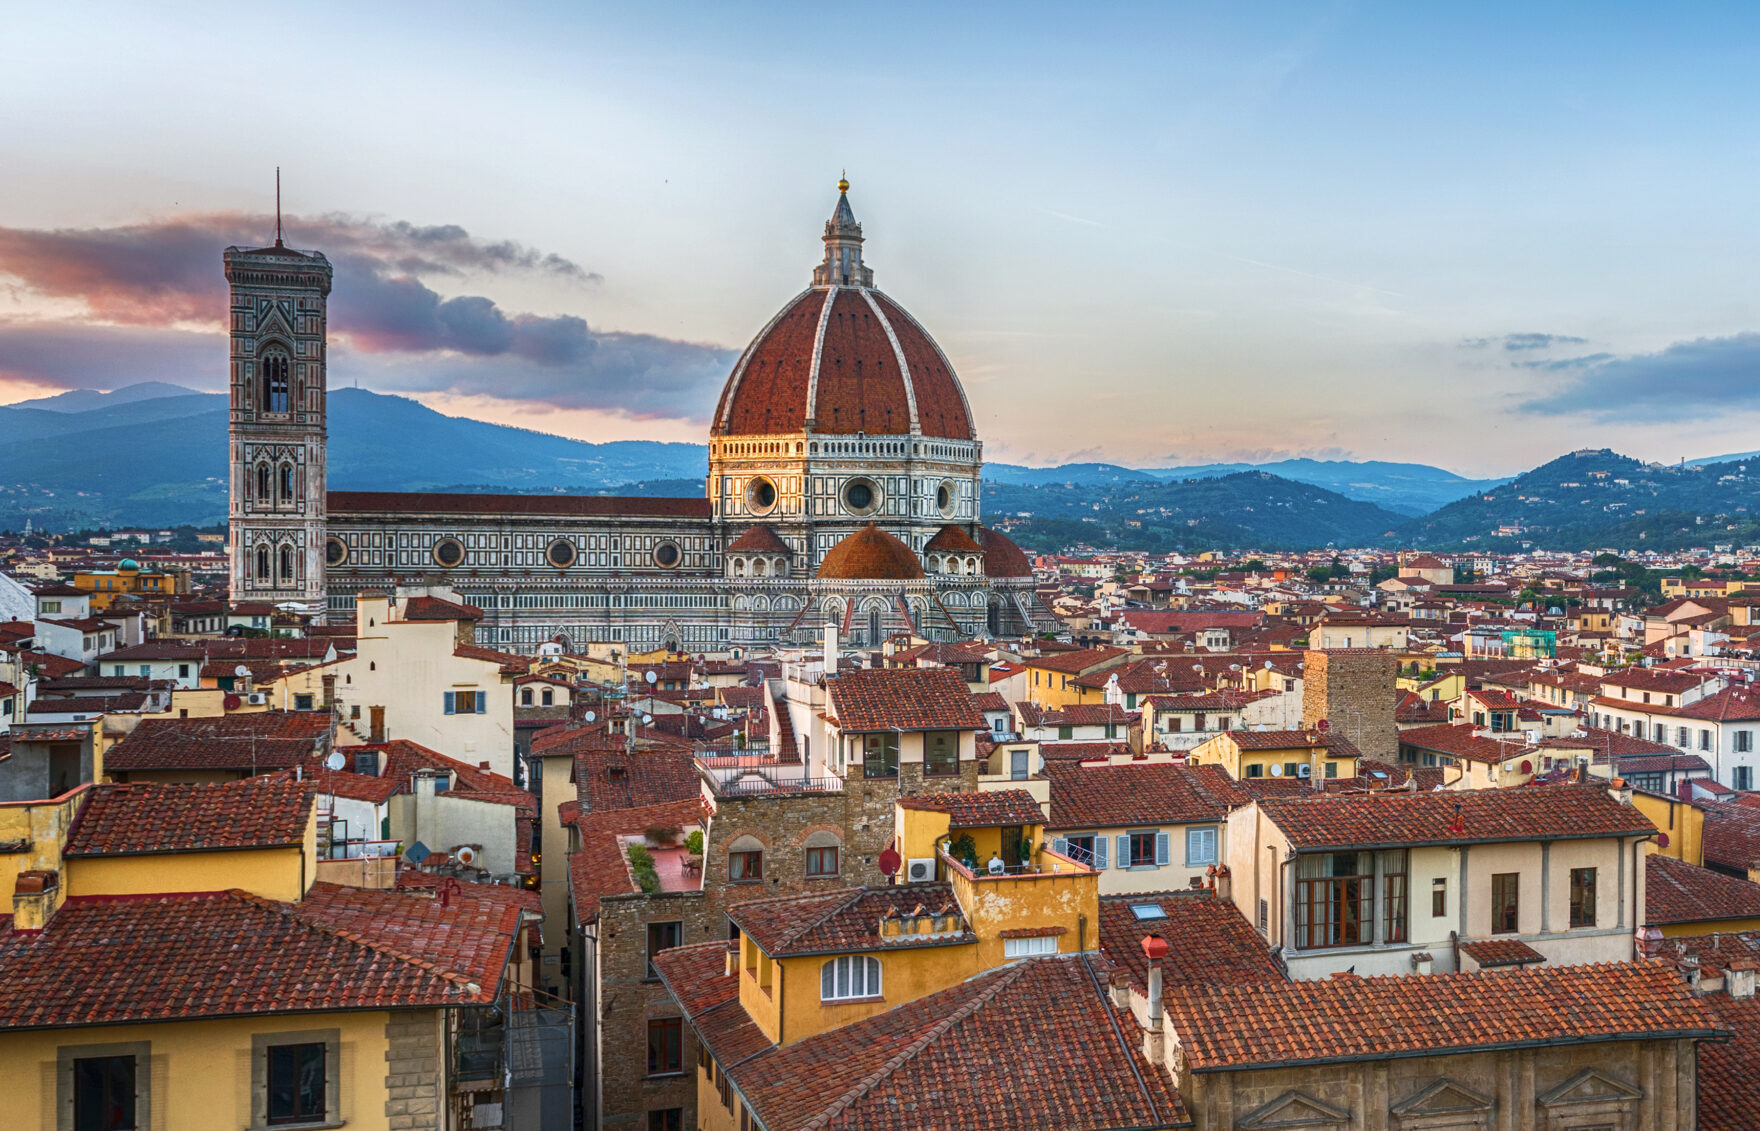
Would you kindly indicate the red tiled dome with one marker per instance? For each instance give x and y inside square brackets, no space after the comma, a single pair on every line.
[759,539]
[842,358]
[952,539]
[871,554]
[840,371]
[1002,558]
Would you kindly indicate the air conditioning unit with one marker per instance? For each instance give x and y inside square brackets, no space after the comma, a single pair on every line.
[257,698]
[1304,771]
[920,870]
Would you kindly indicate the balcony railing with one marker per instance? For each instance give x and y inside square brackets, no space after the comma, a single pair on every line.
[752,782]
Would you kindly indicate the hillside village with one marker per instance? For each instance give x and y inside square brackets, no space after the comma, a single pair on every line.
[1308,840]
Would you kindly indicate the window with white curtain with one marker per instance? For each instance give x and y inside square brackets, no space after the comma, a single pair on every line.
[1036,946]
[850,976]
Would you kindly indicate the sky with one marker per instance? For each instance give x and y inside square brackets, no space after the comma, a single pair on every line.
[1474,235]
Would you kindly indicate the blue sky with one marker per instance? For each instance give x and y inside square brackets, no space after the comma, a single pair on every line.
[1474,235]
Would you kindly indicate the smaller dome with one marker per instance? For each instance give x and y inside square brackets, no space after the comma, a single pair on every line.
[870,554]
[759,539]
[128,563]
[953,539]
[1002,558]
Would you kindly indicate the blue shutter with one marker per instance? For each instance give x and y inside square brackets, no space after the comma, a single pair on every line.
[1060,846]
[451,703]
[1124,851]
[1100,854]
[482,702]
[1161,848]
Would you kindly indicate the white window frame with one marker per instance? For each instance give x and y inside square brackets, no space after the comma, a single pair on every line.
[1033,946]
[850,977]
[1210,833]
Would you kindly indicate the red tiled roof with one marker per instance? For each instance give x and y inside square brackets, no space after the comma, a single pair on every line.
[959,1058]
[1351,1018]
[263,740]
[469,928]
[511,664]
[1130,793]
[846,920]
[879,699]
[1732,836]
[425,607]
[596,506]
[1560,812]
[1458,740]
[1490,953]
[990,809]
[1208,940]
[139,818]
[1729,1089]
[1678,892]
[216,954]
[600,868]
[1072,663]
[606,780]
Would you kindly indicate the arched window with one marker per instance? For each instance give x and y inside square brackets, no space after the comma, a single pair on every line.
[993,619]
[263,495]
[275,369]
[849,976]
[287,565]
[874,627]
[263,563]
[287,483]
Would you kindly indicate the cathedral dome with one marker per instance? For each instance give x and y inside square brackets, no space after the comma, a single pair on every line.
[842,358]
[870,554]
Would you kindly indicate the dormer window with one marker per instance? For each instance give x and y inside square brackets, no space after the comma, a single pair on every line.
[275,370]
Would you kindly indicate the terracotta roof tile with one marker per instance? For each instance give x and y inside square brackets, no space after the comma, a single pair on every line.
[759,539]
[1208,940]
[1490,953]
[262,740]
[1729,1088]
[217,954]
[870,554]
[990,809]
[1559,812]
[140,818]
[903,699]
[952,539]
[1678,892]
[1130,793]
[846,920]
[1347,1018]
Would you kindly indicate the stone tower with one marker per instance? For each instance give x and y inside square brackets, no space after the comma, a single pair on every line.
[276,514]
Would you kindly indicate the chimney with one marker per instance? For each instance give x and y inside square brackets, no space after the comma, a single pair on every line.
[1739,980]
[1423,962]
[1121,989]
[830,657]
[1154,1037]
[329,693]
[482,765]
[1649,942]
[376,730]
[36,896]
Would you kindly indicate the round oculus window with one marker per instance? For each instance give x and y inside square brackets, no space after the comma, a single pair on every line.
[761,495]
[560,554]
[449,552]
[944,498]
[666,555]
[335,551]
[861,496]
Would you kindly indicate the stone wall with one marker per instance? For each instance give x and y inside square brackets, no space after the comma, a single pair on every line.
[414,1098]
[1354,690]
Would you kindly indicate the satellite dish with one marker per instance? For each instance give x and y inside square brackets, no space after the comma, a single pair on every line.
[647,720]
[242,672]
[1267,665]
[650,677]
[590,716]
[1276,770]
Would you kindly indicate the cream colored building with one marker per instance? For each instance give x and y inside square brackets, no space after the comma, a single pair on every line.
[1403,882]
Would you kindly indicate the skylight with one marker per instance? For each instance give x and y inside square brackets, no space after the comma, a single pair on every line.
[1148,911]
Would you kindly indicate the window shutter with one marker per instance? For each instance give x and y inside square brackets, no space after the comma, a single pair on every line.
[451,703]
[482,702]
[1060,846]
[1161,848]
[1124,850]
[1100,844]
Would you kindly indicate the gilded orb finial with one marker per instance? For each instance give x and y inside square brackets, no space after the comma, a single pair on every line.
[843,182]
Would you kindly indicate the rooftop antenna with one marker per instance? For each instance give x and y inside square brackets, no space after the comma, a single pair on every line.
[277,206]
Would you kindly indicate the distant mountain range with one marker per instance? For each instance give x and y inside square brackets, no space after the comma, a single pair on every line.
[1406,488]
[155,455]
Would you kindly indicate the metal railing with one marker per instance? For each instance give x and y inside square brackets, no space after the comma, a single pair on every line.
[750,782]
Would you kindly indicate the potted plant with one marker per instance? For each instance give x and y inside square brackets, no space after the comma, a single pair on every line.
[663,835]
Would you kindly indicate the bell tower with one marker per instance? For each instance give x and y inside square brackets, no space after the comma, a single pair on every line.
[277,428]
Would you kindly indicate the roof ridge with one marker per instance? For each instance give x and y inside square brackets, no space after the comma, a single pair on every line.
[867,1084]
[855,897]
[311,920]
